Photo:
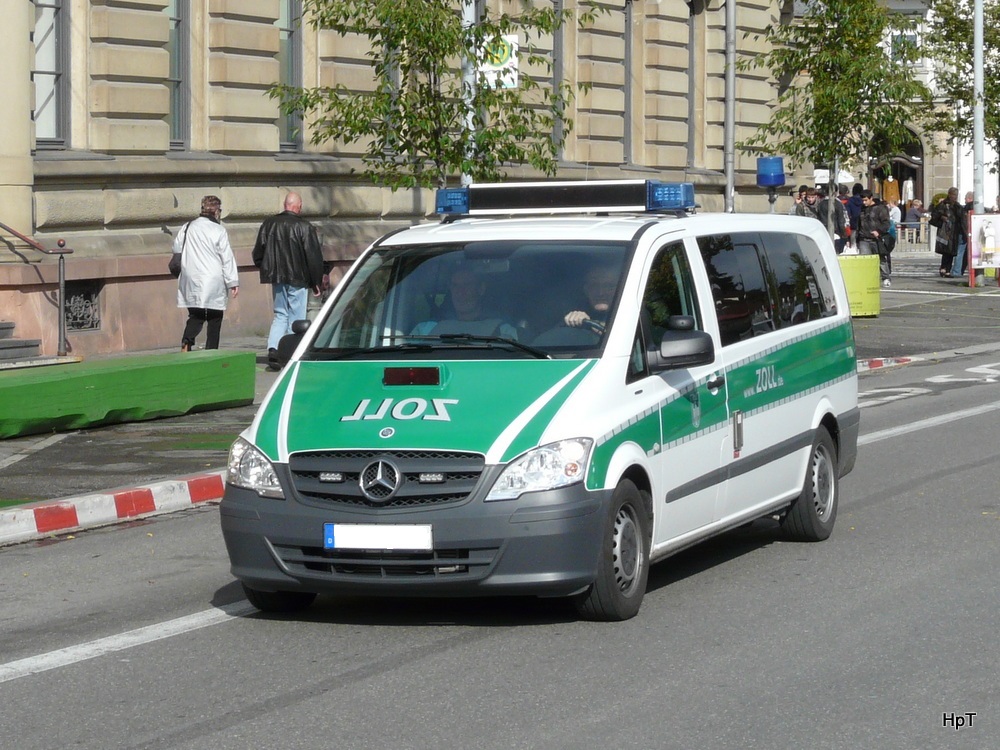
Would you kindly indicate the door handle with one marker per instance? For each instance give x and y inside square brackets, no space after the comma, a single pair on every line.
[715,382]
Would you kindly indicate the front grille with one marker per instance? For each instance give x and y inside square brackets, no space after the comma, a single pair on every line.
[442,563]
[459,473]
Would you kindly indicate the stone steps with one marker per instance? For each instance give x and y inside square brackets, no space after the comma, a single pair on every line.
[14,349]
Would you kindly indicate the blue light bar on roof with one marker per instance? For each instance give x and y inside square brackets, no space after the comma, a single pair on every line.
[669,196]
[578,197]
[452,201]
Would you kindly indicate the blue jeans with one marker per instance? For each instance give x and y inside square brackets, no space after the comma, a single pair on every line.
[289,305]
[956,267]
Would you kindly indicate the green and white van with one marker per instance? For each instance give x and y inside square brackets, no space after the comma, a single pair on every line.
[549,404]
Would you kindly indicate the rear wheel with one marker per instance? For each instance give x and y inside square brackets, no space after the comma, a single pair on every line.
[623,568]
[279,602]
[812,515]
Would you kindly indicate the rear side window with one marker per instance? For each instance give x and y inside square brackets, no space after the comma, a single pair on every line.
[739,287]
[801,278]
[765,281]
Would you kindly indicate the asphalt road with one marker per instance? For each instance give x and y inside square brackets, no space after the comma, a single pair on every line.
[136,636]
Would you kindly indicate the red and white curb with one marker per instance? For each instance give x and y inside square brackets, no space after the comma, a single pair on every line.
[880,363]
[38,520]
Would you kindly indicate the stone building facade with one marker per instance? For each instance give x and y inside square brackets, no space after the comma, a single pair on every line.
[121,114]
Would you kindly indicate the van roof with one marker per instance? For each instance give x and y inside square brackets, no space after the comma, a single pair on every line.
[616,227]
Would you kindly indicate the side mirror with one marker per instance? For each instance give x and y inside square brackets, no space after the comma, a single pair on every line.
[290,342]
[682,346]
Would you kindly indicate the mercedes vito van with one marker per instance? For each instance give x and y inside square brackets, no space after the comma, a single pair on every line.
[548,391]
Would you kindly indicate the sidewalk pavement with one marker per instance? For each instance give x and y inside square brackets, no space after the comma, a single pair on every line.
[166,465]
[156,466]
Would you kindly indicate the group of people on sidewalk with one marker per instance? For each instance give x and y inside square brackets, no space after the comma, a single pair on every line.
[871,225]
[287,253]
[860,219]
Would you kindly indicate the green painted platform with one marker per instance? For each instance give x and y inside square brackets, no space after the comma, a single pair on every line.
[125,389]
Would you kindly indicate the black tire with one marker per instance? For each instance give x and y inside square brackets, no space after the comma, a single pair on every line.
[279,602]
[812,515]
[623,567]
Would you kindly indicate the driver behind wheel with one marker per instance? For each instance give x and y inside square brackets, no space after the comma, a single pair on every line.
[599,288]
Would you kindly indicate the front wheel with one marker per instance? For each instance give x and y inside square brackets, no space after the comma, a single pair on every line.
[278,602]
[812,515]
[623,568]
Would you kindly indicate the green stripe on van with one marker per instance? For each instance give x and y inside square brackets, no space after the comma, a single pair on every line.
[788,371]
[266,436]
[529,437]
[792,370]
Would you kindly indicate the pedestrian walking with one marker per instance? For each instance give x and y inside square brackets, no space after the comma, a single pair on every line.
[208,274]
[288,254]
[854,205]
[914,216]
[807,206]
[895,212]
[961,264]
[872,225]
[798,197]
[947,217]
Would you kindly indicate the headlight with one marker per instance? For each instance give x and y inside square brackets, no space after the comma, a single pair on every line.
[250,469]
[545,468]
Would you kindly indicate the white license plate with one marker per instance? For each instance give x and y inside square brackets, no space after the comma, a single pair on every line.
[377,536]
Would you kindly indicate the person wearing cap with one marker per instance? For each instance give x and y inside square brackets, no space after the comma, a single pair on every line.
[208,274]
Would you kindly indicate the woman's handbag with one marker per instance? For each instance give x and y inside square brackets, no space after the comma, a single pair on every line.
[174,264]
[886,244]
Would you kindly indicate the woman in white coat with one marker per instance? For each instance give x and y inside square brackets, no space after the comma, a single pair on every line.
[208,274]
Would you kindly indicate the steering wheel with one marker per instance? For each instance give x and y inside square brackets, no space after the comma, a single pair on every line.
[594,326]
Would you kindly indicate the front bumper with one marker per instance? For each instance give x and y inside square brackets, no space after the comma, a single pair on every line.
[544,543]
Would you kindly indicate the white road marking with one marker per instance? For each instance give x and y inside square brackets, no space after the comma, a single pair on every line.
[881,396]
[73,654]
[33,448]
[924,424]
[918,292]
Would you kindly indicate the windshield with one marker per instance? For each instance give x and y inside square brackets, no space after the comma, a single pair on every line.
[510,299]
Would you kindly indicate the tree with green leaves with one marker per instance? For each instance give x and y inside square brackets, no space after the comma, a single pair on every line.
[948,40]
[422,122]
[844,94]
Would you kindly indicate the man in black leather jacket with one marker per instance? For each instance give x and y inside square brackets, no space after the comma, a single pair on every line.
[290,259]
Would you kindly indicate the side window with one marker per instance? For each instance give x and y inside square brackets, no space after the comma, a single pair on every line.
[669,291]
[739,287]
[637,365]
[801,278]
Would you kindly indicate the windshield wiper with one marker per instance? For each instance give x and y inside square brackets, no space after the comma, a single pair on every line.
[469,338]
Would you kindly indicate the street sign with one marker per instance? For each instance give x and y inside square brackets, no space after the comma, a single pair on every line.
[498,65]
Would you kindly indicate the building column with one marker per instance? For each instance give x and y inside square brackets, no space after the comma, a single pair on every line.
[16,165]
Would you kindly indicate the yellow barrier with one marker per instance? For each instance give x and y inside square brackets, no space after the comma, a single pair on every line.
[862,279]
